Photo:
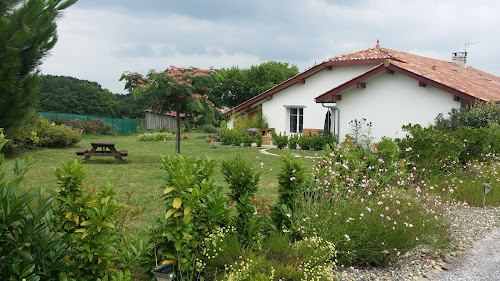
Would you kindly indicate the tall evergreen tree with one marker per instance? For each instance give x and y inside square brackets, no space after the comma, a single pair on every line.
[28,31]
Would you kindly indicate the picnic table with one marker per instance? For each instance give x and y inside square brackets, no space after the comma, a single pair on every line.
[102,148]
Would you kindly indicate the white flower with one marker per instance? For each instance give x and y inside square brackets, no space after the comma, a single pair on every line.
[288,215]
[347,237]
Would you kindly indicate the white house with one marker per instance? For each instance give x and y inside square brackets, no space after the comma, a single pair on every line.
[389,88]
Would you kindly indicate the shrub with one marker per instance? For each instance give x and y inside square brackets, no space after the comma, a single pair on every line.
[368,207]
[39,132]
[479,115]
[278,257]
[259,121]
[290,185]
[293,140]
[225,137]
[242,180]
[30,250]
[258,138]
[98,127]
[156,136]
[88,219]
[280,141]
[247,139]
[209,129]
[236,138]
[375,229]
[388,150]
[432,150]
[305,142]
[316,142]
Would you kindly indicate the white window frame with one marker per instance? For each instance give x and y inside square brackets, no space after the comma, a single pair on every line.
[297,115]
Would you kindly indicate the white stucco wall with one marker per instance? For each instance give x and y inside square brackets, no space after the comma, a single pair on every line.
[390,101]
[304,94]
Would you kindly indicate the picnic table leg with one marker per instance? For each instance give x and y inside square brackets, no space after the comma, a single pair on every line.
[116,154]
[94,149]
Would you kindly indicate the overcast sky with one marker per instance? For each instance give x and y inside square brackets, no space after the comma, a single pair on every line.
[100,39]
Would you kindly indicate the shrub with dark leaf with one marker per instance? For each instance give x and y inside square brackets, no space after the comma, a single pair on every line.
[279,140]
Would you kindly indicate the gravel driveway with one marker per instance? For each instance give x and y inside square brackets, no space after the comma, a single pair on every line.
[481,262]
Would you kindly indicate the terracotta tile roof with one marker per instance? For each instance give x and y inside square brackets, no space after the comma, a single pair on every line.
[368,54]
[470,81]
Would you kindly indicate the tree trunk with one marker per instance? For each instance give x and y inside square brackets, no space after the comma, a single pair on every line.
[178,133]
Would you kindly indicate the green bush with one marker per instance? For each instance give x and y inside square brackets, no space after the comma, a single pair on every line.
[209,129]
[183,226]
[277,257]
[247,139]
[291,181]
[225,137]
[93,126]
[29,249]
[372,209]
[432,150]
[479,115]
[279,140]
[88,219]
[375,229]
[242,180]
[236,138]
[305,142]
[316,142]
[165,136]
[259,121]
[258,138]
[293,140]
[40,132]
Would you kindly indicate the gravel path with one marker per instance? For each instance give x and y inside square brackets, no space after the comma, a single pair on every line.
[481,262]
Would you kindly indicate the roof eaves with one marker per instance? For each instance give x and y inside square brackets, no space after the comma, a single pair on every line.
[350,83]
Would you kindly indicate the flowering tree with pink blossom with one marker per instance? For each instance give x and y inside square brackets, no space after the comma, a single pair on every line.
[176,89]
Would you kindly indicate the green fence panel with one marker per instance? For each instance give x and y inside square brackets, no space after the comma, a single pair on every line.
[122,126]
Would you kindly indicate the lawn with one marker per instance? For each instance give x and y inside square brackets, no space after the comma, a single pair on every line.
[140,172]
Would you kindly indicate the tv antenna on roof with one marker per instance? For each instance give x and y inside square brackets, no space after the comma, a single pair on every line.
[469,43]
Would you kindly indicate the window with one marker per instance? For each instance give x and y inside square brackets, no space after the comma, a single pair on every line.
[296,120]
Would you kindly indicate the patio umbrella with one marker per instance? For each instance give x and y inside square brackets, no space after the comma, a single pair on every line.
[328,123]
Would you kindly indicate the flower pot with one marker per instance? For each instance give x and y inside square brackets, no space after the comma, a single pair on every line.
[165,272]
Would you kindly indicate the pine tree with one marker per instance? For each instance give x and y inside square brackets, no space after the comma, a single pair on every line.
[28,31]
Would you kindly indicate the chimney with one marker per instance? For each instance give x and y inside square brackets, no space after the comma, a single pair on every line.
[459,58]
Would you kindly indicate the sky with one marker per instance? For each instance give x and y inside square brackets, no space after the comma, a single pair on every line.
[100,39]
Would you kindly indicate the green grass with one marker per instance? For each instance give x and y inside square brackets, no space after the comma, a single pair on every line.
[140,172]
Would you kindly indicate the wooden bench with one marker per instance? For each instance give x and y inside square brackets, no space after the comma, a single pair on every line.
[310,132]
[82,151]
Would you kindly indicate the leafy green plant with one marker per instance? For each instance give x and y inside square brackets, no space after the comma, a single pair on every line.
[242,180]
[39,132]
[293,140]
[279,140]
[188,186]
[157,136]
[432,150]
[29,249]
[259,121]
[236,138]
[291,180]
[209,128]
[258,138]
[247,139]
[87,217]
[305,142]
